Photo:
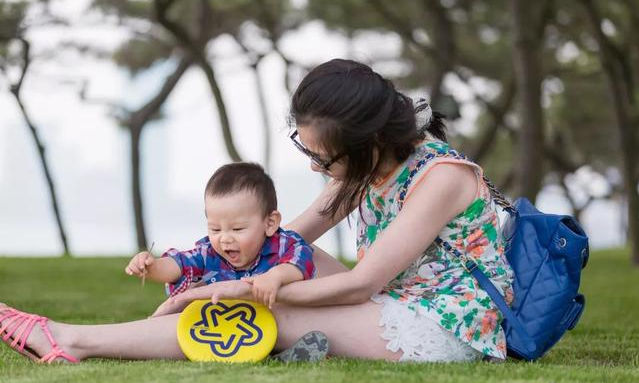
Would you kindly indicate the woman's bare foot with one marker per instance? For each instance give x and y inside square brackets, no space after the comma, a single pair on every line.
[37,343]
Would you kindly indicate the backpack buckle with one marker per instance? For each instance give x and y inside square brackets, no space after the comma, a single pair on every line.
[467,264]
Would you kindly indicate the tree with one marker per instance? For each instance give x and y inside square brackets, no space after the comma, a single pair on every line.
[558,138]
[135,122]
[621,72]
[527,57]
[13,29]
[139,53]
[273,18]
[207,25]
[461,39]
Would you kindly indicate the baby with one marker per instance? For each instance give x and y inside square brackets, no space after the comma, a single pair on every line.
[244,240]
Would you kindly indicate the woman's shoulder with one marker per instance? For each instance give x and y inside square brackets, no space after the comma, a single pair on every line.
[431,152]
[426,152]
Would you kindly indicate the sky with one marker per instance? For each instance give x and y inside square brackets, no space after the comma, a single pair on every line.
[89,158]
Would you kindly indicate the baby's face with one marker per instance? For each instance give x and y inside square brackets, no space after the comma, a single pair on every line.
[237,227]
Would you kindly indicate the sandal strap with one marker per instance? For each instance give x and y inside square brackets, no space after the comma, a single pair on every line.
[8,313]
[18,319]
[56,353]
[43,323]
[14,317]
[26,330]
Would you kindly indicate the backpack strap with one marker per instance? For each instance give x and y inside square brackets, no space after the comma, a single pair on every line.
[485,283]
[467,263]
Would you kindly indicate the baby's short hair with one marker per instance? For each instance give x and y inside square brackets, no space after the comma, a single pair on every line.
[243,176]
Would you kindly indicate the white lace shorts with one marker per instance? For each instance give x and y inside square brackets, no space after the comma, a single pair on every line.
[418,337]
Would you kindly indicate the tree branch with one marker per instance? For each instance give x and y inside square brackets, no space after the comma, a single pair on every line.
[400,26]
[26,61]
[610,48]
[197,51]
[444,45]
[137,119]
[496,110]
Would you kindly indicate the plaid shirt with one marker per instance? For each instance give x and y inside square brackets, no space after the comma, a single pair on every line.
[203,264]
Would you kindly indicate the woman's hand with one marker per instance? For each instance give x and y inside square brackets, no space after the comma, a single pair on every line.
[169,306]
[215,292]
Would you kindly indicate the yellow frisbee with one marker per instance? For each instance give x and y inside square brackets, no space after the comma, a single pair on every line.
[232,331]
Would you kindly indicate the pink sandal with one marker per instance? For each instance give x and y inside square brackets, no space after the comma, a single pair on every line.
[19,341]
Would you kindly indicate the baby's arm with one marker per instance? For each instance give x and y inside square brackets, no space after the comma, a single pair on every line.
[265,286]
[160,270]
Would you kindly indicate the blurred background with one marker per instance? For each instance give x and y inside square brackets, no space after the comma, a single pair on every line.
[114,114]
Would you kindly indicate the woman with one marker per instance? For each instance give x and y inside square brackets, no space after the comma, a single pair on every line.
[407,298]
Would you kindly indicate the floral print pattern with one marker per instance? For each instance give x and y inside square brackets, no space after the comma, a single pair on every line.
[436,284]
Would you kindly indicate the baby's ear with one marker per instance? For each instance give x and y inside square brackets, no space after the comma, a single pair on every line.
[273,221]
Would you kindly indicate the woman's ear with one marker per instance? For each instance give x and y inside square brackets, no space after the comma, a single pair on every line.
[273,221]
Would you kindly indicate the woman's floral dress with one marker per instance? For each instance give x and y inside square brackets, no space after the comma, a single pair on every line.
[436,286]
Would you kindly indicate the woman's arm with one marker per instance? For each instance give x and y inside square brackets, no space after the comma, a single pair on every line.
[444,193]
[311,224]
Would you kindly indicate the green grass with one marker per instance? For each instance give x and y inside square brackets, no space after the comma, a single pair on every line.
[603,348]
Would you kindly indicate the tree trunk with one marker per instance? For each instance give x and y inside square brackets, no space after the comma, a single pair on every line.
[497,112]
[47,175]
[528,74]
[445,46]
[136,189]
[266,125]
[620,80]
[135,124]
[221,109]
[15,90]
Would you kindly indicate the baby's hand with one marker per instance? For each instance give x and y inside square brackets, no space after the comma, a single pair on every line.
[139,264]
[265,288]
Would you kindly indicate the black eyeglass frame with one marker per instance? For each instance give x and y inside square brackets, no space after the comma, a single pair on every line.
[315,158]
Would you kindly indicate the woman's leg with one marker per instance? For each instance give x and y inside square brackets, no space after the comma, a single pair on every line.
[153,338]
[352,331]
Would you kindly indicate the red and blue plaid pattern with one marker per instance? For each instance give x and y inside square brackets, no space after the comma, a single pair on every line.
[204,264]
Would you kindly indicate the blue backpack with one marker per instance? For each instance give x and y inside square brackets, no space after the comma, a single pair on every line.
[546,253]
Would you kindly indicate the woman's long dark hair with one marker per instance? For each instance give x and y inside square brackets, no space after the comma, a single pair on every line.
[354,110]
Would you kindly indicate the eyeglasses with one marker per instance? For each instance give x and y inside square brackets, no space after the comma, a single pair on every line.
[315,158]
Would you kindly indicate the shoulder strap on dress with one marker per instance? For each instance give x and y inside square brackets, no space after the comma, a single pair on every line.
[451,153]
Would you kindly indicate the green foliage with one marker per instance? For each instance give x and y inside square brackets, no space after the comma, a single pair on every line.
[500,160]
[603,347]
[583,113]
[218,17]
[140,53]
[580,110]
[11,17]
[139,9]
[350,15]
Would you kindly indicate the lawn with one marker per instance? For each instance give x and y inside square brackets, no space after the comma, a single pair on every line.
[603,348]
